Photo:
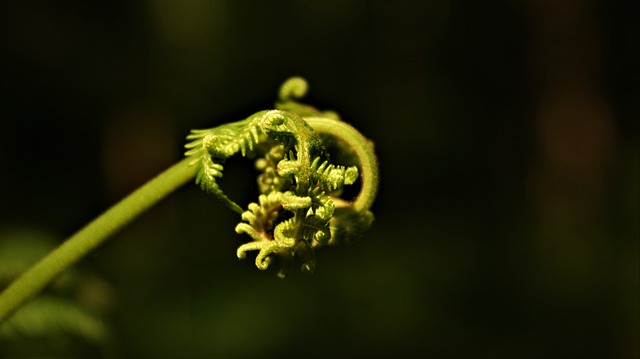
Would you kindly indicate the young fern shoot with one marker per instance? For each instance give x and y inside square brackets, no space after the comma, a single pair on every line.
[299,207]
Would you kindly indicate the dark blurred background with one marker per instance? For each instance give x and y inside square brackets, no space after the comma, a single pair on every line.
[508,217]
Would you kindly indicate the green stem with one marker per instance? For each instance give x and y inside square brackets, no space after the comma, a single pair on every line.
[363,149]
[92,235]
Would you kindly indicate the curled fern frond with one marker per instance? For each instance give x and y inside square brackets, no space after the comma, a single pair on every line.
[210,147]
[316,224]
[289,166]
[261,216]
[206,175]
[281,127]
[226,140]
[293,88]
[269,180]
[332,177]
[299,208]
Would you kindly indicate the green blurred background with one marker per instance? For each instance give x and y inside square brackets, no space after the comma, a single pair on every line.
[508,218]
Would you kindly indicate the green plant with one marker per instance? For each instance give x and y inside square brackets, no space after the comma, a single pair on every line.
[299,207]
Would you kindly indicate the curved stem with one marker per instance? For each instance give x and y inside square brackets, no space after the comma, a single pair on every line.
[363,150]
[93,234]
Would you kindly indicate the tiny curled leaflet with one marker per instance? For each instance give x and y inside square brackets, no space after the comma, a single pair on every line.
[299,207]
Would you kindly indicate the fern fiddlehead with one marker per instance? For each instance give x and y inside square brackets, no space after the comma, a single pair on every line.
[299,208]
